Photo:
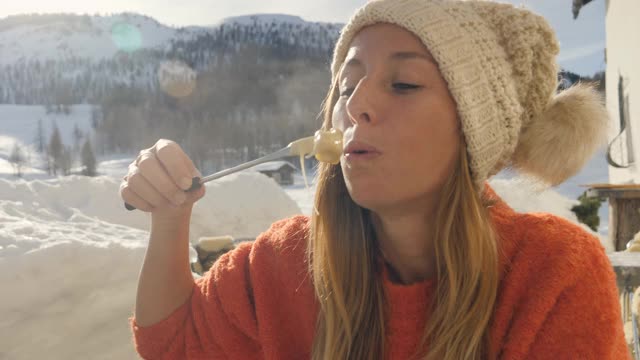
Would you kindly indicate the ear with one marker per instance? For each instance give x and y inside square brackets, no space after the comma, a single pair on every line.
[559,142]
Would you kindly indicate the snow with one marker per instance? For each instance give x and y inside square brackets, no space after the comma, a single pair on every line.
[19,124]
[264,19]
[36,213]
[102,37]
[70,253]
[299,192]
[523,196]
[93,37]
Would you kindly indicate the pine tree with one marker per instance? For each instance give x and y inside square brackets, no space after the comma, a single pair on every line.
[587,211]
[40,140]
[88,159]
[17,159]
[56,147]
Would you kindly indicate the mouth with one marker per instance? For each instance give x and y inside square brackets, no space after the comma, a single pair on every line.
[358,148]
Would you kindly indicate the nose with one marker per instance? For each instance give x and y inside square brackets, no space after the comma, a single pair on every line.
[359,106]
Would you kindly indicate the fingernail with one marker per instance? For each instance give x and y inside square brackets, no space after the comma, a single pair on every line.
[185,183]
[179,198]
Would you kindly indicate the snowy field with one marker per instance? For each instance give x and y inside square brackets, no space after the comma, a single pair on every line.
[70,253]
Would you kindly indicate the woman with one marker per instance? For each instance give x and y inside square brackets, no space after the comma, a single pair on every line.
[410,253]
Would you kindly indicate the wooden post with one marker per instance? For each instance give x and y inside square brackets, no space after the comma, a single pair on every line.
[624,214]
[625,220]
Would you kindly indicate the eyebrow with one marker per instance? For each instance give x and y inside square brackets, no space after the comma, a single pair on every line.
[405,55]
[401,55]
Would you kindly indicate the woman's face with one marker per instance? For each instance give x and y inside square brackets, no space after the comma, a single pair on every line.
[395,106]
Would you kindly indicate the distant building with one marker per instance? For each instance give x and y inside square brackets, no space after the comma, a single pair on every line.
[280,171]
[622,56]
[622,87]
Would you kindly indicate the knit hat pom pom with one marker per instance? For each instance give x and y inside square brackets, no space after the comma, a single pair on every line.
[557,144]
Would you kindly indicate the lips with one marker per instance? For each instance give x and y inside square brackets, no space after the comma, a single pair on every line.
[359,148]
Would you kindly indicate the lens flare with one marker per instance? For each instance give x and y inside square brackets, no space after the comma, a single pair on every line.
[126,37]
[176,78]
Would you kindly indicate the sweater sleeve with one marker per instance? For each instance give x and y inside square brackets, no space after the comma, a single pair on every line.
[585,320]
[217,322]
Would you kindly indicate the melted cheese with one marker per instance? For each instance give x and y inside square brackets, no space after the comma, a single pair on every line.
[326,146]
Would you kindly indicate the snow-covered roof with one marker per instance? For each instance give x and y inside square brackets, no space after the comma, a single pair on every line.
[274,166]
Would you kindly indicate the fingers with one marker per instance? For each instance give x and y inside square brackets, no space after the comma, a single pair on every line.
[157,176]
[145,189]
[172,157]
[131,198]
[195,195]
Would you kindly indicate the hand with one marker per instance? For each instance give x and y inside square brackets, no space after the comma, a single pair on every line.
[158,180]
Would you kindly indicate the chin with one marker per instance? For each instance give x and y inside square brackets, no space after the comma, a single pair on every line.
[368,198]
[381,199]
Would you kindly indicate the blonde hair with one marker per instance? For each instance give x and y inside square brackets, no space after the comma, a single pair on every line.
[343,255]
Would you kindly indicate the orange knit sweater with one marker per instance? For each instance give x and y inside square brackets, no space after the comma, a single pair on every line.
[557,299]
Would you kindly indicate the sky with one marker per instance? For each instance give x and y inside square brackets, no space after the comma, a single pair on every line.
[582,40]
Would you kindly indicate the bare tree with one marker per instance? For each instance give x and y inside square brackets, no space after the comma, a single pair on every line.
[17,159]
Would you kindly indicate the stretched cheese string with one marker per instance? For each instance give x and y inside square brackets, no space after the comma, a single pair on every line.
[326,146]
[304,173]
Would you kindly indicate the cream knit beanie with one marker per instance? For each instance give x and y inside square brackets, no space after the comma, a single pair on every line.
[499,64]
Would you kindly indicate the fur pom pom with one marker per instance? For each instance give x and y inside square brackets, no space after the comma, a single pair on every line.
[559,142]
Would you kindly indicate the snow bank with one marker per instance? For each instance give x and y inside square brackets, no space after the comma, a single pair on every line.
[523,196]
[70,255]
[69,300]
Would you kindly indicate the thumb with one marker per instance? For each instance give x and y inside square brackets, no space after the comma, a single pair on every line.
[195,194]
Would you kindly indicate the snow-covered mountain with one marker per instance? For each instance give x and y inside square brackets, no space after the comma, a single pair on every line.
[26,38]
[83,57]
[265,19]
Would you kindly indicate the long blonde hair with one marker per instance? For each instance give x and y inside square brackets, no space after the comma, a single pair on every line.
[343,255]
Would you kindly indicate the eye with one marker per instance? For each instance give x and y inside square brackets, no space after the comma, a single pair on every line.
[347,92]
[404,86]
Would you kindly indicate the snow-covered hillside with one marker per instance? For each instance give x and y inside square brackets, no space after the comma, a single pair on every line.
[263,19]
[47,59]
[61,37]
